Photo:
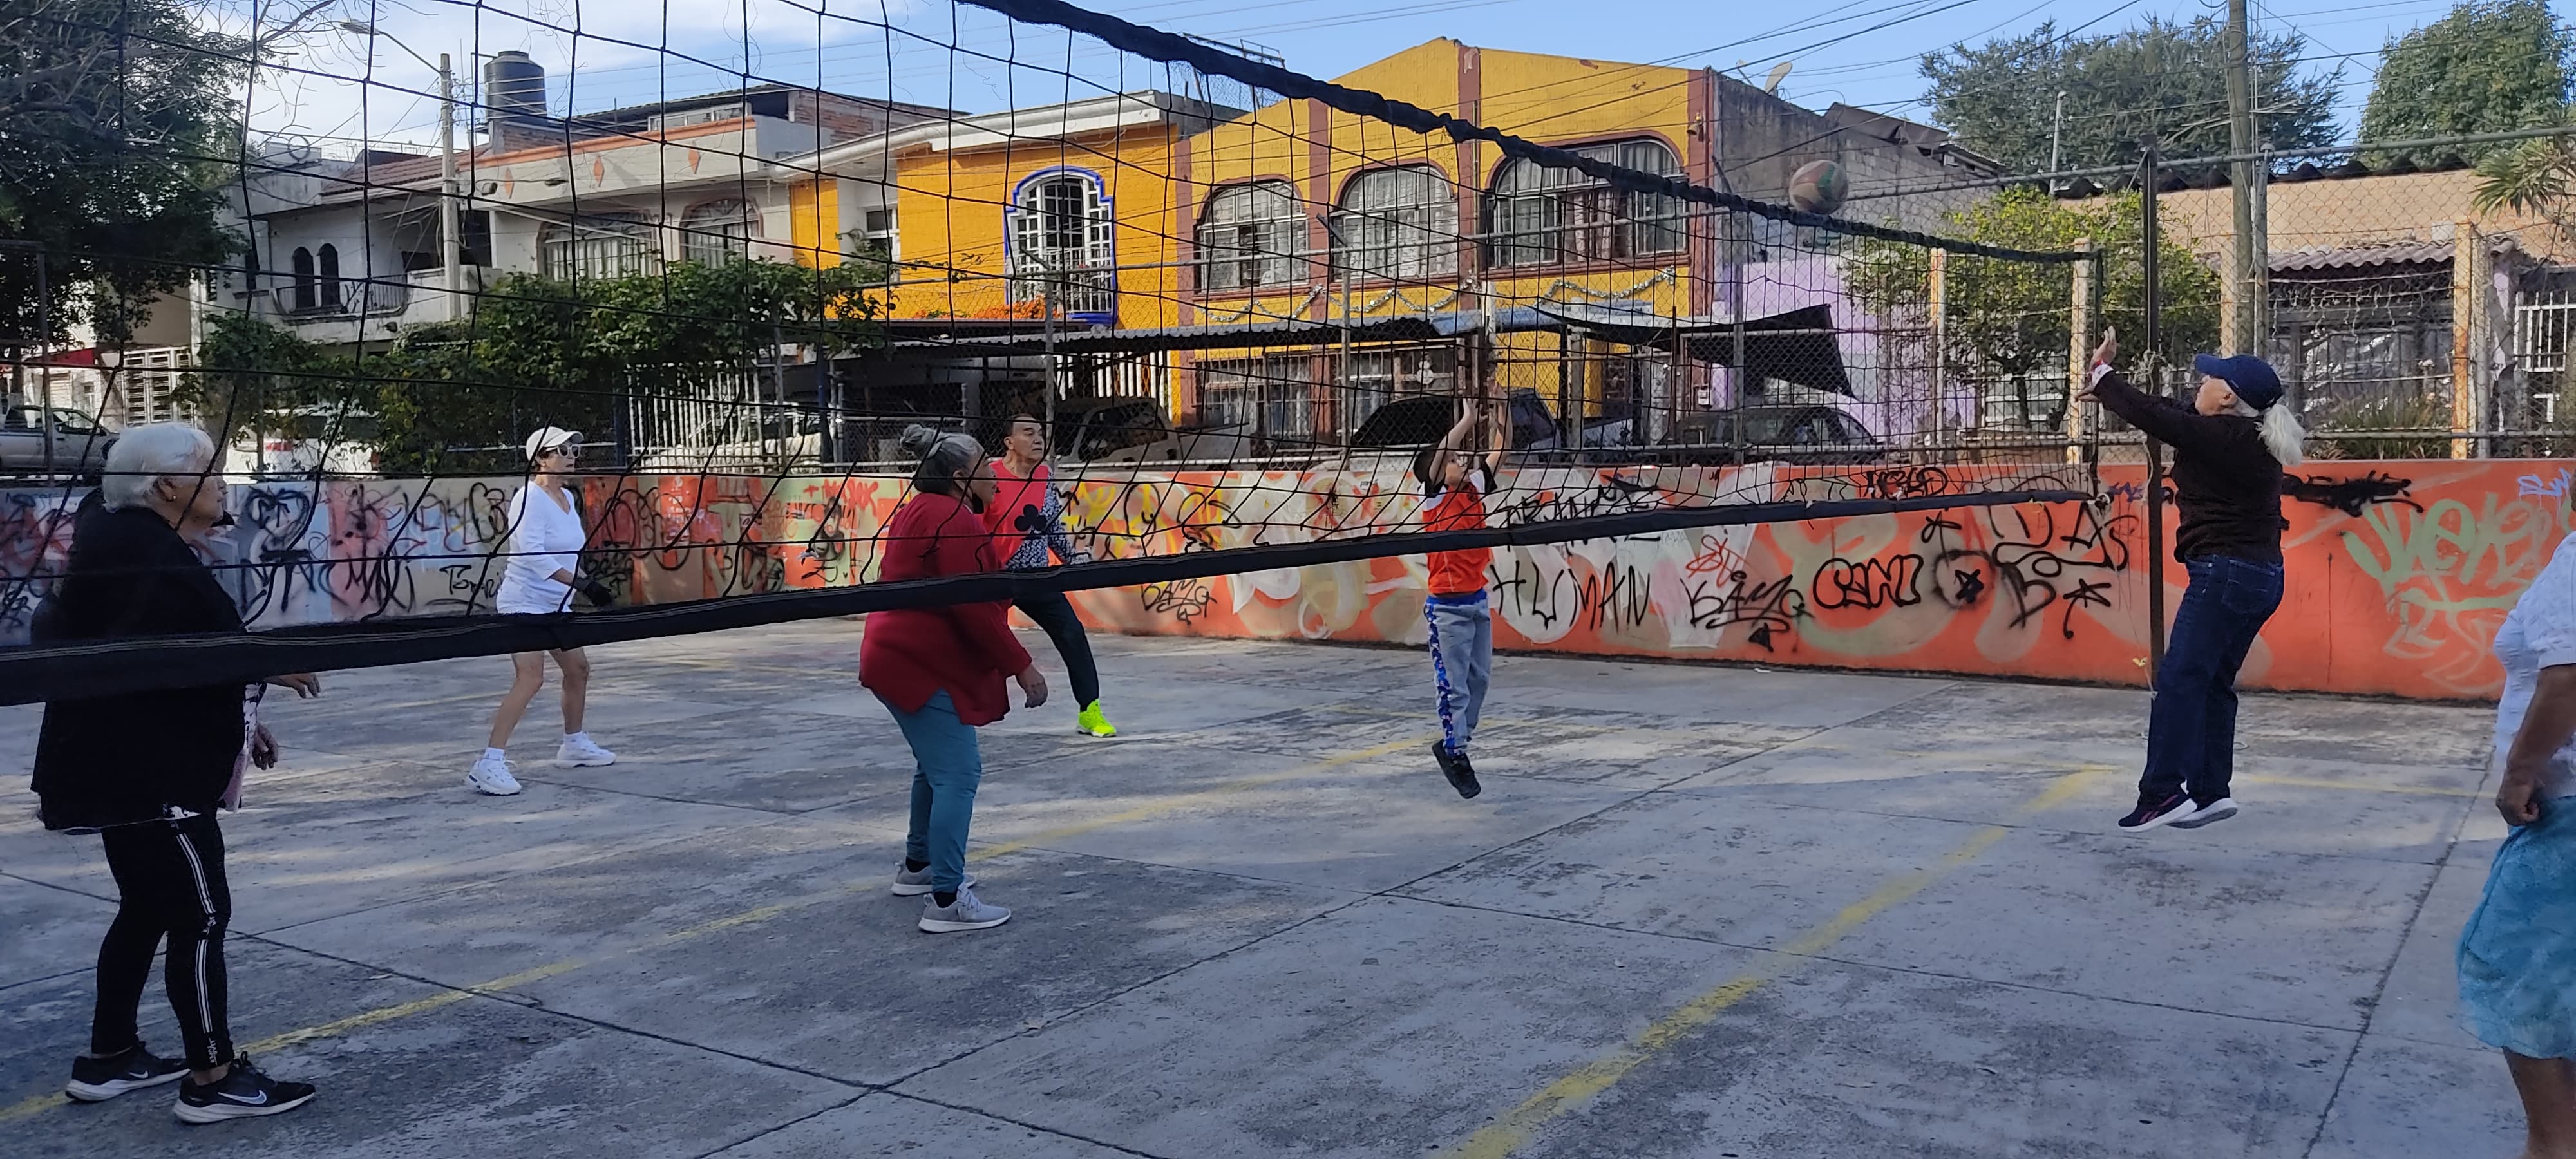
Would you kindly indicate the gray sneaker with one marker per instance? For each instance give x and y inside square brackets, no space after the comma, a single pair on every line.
[968,913]
[910,884]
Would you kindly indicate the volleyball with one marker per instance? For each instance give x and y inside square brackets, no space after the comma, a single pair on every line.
[1819,187]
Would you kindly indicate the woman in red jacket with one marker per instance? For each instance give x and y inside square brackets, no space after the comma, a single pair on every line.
[940,670]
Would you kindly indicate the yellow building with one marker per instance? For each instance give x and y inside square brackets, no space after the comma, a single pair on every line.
[1307,213]
[1147,211]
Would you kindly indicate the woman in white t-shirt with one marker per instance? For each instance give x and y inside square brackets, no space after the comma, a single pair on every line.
[543,550]
[2517,956]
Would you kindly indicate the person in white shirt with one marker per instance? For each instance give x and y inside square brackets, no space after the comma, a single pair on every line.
[2517,957]
[543,572]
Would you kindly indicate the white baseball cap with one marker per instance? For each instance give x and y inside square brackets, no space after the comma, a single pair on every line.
[548,438]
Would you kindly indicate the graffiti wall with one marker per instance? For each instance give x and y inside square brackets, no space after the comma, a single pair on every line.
[2400,572]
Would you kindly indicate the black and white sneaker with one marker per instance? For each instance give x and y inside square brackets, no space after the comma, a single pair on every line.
[96,1080]
[1453,765]
[243,1093]
[2215,811]
[2154,812]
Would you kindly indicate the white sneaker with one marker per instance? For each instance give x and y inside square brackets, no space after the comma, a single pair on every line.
[2218,810]
[492,776]
[582,752]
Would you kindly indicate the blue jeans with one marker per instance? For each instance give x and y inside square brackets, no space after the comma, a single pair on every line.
[2191,730]
[1462,663]
[946,768]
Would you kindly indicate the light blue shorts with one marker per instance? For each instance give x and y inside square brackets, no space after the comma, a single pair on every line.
[2518,952]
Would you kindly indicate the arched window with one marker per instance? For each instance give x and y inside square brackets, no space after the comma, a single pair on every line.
[1538,216]
[303,272]
[606,246]
[330,263]
[1061,248]
[718,231]
[1252,235]
[1399,223]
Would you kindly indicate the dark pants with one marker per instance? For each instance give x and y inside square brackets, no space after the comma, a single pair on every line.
[169,885]
[2191,730]
[1054,613]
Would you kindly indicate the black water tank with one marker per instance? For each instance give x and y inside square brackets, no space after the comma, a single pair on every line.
[514,88]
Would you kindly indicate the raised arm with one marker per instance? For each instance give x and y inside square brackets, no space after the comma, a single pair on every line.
[2164,419]
[1465,426]
[1499,424]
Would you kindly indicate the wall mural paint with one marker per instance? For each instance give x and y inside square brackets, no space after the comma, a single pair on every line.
[2400,571]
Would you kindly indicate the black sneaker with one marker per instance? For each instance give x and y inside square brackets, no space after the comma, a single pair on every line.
[2153,812]
[96,1080]
[243,1093]
[1453,765]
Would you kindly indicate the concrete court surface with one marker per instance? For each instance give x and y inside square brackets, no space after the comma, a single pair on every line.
[1699,911]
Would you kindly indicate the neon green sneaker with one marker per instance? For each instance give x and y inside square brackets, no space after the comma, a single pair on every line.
[1092,723]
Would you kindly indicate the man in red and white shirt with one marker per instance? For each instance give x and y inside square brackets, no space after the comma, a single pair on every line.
[1456,480]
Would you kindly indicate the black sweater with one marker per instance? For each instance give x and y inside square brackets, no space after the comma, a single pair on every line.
[2225,480]
[113,760]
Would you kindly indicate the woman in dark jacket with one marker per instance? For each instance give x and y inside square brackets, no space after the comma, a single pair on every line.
[2230,446]
[147,770]
[941,670]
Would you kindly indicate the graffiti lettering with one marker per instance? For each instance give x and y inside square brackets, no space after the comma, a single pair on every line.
[1620,596]
[1904,483]
[1868,583]
[1772,607]
[1183,600]
[2550,487]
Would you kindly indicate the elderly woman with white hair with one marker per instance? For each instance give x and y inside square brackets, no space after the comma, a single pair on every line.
[146,771]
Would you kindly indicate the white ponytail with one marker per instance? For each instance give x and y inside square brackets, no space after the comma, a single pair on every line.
[2282,434]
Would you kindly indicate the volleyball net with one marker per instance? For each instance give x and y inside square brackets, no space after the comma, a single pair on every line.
[742,248]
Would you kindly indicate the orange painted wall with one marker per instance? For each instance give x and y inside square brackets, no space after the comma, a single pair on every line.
[2399,572]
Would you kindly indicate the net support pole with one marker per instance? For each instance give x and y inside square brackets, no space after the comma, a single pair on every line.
[1937,304]
[2152,302]
[1342,394]
[2079,330]
[2464,301]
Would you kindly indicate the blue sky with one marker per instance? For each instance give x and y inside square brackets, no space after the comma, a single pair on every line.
[1862,52]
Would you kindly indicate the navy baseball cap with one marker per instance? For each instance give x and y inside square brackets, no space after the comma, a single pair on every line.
[2250,377]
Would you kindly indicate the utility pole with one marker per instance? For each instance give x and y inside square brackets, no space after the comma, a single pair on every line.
[2245,309]
[2056,132]
[450,238]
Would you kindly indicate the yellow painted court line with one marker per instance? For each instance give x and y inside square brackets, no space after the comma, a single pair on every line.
[2353,787]
[39,1104]
[1515,1127]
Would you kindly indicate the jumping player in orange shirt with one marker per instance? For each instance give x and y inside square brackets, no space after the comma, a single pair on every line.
[1455,481]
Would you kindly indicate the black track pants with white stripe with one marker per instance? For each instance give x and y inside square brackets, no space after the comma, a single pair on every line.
[170,885]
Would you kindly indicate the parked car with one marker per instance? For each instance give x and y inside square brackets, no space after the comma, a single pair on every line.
[1135,430]
[79,445]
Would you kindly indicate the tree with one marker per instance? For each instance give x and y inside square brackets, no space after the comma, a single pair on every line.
[2533,177]
[2000,98]
[113,117]
[2488,67]
[539,351]
[2006,321]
